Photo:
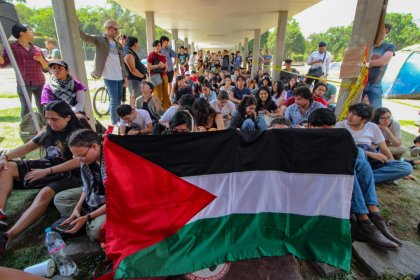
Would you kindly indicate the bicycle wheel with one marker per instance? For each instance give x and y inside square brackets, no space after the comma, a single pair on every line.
[101,102]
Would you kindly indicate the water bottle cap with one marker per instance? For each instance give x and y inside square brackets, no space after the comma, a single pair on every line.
[47,230]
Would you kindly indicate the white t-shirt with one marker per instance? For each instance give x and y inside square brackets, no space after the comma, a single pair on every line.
[142,119]
[167,116]
[228,109]
[370,134]
[112,70]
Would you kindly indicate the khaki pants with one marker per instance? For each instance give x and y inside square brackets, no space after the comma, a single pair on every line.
[161,92]
[65,202]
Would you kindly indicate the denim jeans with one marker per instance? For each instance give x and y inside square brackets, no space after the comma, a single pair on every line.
[364,192]
[115,89]
[374,92]
[393,170]
[36,92]
[249,125]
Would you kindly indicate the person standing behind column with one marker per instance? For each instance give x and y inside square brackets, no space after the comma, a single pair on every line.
[156,63]
[31,63]
[136,70]
[320,62]
[381,55]
[109,63]
[169,53]
[53,52]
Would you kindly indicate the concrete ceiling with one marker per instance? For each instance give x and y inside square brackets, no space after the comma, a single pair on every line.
[217,23]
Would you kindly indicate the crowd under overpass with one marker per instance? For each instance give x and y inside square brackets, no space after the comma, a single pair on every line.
[214,24]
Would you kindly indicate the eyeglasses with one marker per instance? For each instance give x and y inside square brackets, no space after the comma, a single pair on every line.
[385,118]
[81,157]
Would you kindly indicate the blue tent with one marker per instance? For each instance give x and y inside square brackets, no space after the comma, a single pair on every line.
[402,77]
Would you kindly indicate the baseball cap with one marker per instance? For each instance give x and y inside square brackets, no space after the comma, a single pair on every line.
[111,23]
[58,62]
[322,44]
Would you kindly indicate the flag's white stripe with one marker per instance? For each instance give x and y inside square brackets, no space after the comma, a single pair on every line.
[255,192]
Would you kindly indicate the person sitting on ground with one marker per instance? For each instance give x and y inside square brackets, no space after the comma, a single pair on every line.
[266,105]
[205,117]
[303,106]
[369,226]
[391,131]
[318,92]
[23,174]
[365,133]
[331,94]
[184,103]
[227,85]
[149,102]
[89,201]
[134,121]
[180,88]
[239,91]
[246,118]
[137,72]
[223,105]
[278,94]
[181,122]
[207,93]
[280,122]
[415,150]
[62,86]
[287,73]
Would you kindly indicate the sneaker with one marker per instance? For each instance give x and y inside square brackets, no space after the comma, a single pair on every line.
[3,242]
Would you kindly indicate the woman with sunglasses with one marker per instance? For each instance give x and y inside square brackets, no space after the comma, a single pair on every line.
[391,130]
[61,122]
[86,146]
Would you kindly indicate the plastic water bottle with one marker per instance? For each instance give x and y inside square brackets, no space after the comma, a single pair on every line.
[55,246]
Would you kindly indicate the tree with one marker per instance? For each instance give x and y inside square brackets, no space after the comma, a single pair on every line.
[404,30]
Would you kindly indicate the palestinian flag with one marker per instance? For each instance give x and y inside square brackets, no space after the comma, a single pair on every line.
[182,203]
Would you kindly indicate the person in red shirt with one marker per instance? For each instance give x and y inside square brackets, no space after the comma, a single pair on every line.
[318,93]
[31,63]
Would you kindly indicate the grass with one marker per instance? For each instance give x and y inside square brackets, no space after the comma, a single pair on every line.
[8,95]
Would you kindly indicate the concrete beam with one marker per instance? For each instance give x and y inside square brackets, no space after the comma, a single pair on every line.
[365,26]
[71,46]
[279,45]
[256,52]
[150,30]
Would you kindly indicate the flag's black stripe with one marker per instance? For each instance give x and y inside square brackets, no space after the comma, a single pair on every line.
[319,151]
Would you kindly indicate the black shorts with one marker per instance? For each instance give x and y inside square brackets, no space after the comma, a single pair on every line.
[57,186]
[170,76]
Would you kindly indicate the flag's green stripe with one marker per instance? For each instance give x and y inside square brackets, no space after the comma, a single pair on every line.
[207,242]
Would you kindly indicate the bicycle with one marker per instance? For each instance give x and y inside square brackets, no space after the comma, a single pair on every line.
[101,101]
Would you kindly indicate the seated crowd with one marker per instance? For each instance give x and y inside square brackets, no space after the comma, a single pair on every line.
[210,94]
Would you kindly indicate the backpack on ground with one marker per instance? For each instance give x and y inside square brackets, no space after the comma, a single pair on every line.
[27,128]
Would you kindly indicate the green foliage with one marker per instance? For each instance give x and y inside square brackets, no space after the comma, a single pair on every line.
[405,31]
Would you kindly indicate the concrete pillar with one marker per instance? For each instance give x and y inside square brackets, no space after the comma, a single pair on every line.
[175,39]
[150,30]
[186,42]
[245,53]
[71,46]
[365,26]
[240,47]
[256,52]
[192,48]
[279,45]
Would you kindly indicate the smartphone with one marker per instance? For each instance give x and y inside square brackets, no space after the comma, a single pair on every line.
[64,227]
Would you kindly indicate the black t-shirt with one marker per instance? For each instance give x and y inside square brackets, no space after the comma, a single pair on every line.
[55,144]
[270,107]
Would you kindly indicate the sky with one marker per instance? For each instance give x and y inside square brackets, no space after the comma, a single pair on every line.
[318,18]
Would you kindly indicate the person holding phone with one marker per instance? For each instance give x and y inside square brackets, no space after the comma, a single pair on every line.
[89,201]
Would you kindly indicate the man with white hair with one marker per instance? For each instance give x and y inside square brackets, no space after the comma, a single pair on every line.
[109,63]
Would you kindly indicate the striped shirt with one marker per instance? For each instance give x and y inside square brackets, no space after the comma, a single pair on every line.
[31,69]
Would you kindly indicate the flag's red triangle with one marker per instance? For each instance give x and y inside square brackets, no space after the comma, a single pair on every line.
[144,202]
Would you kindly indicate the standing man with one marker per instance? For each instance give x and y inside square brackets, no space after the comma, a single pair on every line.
[320,62]
[109,63]
[170,54]
[287,73]
[381,55]
[53,52]
[267,58]
[183,60]
[31,63]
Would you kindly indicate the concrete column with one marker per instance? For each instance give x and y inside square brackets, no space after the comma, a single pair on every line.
[192,47]
[280,44]
[175,39]
[245,53]
[256,52]
[365,26]
[150,30]
[186,42]
[71,46]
